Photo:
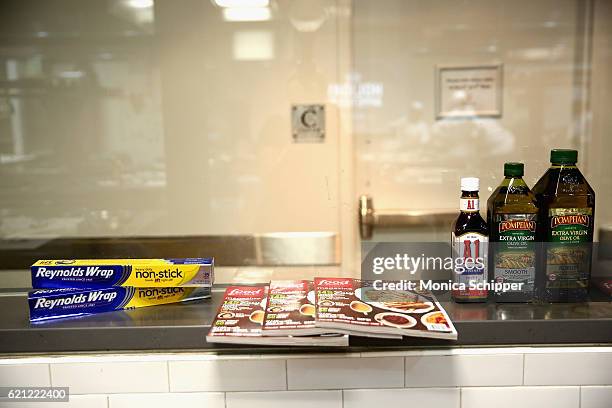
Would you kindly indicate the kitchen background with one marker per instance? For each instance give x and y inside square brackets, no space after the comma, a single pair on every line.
[134,118]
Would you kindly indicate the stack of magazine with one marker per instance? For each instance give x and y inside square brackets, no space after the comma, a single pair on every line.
[324,312]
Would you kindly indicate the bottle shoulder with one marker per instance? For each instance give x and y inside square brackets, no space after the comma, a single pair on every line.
[470,222]
[539,187]
[513,200]
[558,182]
[515,203]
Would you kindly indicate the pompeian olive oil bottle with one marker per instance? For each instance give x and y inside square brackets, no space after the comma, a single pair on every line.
[512,217]
[566,217]
[469,242]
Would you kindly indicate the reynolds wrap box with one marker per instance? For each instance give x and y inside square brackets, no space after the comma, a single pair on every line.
[55,303]
[139,273]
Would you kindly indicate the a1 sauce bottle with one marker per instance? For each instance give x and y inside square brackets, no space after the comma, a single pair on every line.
[512,217]
[566,221]
[469,242]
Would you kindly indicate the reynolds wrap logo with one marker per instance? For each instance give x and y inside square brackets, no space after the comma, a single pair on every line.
[74,272]
[246,292]
[91,297]
[569,220]
[517,225]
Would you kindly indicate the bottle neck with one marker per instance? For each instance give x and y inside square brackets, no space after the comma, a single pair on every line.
[513,181]
[469,202]
[563,166]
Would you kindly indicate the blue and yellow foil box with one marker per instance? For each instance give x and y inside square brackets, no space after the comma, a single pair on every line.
[139,273]
[48,304]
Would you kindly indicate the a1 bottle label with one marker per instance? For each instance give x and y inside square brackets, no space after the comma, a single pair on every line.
[471,251]
[515,251]
[469,204]
[568,255]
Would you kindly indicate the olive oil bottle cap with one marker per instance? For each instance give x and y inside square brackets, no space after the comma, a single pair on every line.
[470,184]
[513,169]
[563,156]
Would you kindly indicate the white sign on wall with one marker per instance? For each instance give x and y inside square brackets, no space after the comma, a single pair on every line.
[469,91]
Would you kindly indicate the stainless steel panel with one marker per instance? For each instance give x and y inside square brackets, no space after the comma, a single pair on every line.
[298,248]
[369,218]
[270,249]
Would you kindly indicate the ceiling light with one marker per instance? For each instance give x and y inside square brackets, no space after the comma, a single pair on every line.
[253,45]
[140,4]
[246,14]
[242,3]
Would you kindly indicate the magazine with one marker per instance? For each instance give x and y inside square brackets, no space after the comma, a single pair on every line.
[240,318]
[290,310]
[361,308]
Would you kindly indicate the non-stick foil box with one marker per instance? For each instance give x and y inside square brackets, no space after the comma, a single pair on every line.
[56,303]
[139,273]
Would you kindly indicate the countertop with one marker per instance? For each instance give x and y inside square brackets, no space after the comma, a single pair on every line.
[184,327]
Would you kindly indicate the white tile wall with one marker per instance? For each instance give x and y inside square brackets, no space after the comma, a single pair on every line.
[334,373]
[473,378]
[76,401]
[21,375]
[179,400]
[113,377]
[596,397]
[464,370]
[424,397]
[228,375]
[520,397]
[568,369]
[286,399]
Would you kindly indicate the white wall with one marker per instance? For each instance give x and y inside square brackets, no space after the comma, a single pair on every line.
[470,378]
